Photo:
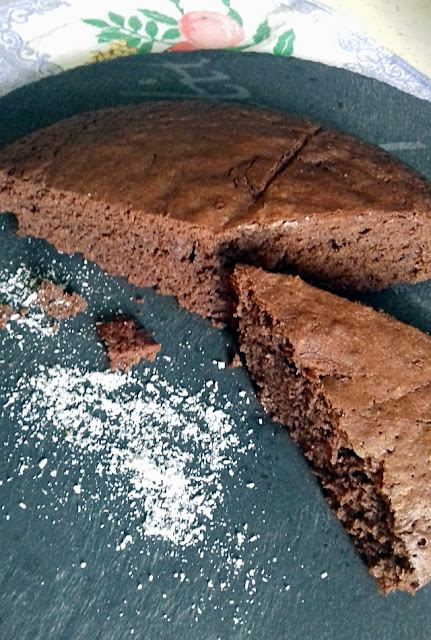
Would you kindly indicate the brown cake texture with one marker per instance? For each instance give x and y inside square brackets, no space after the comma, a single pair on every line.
[235,362]
[173,194]
[127,342]
[353,386]
[5,313]
[57,303]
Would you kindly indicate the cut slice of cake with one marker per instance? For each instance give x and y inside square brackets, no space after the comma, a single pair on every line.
[127,342]
[173,194]
[353,386]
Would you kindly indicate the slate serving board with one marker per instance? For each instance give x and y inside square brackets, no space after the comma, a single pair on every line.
[271,561]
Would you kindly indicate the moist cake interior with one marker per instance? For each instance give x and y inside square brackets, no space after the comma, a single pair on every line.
[350,483]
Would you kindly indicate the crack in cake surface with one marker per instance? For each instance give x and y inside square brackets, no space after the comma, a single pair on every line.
[240,184]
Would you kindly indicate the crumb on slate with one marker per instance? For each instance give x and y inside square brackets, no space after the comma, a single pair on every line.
[235,362]
[127,342]
[5,313]
[55,302]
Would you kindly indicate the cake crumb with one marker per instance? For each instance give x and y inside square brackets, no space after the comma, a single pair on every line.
[127,342]
[57,303]
[5,313]
[235,362]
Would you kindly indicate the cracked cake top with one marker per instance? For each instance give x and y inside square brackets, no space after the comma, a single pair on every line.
[214,165]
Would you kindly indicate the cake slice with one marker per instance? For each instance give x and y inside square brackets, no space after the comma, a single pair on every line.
[173,194]
[353,386]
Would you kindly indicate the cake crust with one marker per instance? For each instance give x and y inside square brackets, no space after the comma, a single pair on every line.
[174,194]
[353,386]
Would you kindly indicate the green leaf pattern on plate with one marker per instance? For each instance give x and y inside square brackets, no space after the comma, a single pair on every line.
[145,47]
[96,23]
[152,29]
[284,46]
[141,31]
[263,32]
[115,18]
[171,34]
[235,16]
[134,23]
[157,16]
[107,35]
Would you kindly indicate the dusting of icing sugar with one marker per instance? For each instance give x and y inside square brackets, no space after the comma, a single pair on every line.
[18,290]
[160,448]
[15,287]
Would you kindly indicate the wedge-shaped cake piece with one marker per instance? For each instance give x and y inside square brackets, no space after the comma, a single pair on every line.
[353,386]
[173,194]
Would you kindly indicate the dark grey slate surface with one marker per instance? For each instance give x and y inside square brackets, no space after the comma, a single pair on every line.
[44,592]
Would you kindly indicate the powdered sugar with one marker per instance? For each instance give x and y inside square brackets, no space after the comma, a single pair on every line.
[18,289]
[160,448]
[156,472]
[16,286]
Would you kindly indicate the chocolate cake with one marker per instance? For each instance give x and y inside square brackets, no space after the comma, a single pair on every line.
[57,303]
[174,194]
[127,342]
[353,386]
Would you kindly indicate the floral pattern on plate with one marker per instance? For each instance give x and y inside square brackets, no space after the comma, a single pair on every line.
[44,37]
[182,30]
